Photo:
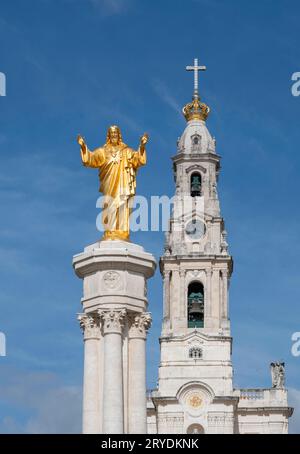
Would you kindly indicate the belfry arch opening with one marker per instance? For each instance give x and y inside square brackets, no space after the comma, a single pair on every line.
[195,305]
[195,184]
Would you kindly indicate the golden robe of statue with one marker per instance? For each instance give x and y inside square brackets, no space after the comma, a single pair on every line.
[118,165]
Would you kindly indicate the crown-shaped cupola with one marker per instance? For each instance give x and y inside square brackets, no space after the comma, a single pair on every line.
[196,110]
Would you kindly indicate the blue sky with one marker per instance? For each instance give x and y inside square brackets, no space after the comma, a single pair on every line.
[80,65]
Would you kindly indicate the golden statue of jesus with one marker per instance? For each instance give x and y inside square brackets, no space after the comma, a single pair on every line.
[118,165]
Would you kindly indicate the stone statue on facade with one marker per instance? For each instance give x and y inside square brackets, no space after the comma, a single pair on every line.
[278,374]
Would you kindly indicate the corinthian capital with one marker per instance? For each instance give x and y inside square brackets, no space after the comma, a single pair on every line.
[166,274]
[90,325]
[139,325]
[113,320]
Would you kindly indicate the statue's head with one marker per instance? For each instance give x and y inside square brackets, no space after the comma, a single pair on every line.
[114,136]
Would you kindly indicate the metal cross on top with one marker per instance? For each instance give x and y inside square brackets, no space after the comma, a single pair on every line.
[196,68]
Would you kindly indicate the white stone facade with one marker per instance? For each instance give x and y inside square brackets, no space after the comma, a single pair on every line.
[195,391]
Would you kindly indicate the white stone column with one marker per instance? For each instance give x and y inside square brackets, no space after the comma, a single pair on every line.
[100,368]
[113,400]
[183,295]
[114,276]
[175,295]
[90,325]
[224,294]
[216,300]
[209,292]
[137,403]
[208,310]
[166,276]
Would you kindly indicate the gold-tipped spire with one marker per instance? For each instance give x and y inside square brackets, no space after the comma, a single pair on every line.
[196,110]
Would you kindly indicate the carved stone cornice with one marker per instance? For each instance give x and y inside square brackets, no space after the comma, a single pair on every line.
[90,325]
[112,320]
[139,325]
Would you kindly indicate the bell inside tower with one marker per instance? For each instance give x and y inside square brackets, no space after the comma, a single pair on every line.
[195,305]
[195,184]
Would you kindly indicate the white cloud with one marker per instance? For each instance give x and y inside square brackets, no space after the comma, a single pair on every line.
[58,411]
[106,7]
[111,7]
[42,192]
[211,3]
[164,93]
[50,406]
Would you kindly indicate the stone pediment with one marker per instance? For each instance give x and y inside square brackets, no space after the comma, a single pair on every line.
[195,336]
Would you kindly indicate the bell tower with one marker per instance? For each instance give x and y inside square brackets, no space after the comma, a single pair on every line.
[195,391]
[196,267]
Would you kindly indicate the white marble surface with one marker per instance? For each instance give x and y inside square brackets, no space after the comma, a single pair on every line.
[114,277]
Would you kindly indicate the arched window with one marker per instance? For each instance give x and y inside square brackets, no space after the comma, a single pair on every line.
[195,184]
[195,305]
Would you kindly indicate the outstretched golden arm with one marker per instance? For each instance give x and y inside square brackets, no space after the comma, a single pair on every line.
[90,158]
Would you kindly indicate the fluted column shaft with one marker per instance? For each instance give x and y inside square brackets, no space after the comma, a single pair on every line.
[113,400]
[137,403]
[90,325]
